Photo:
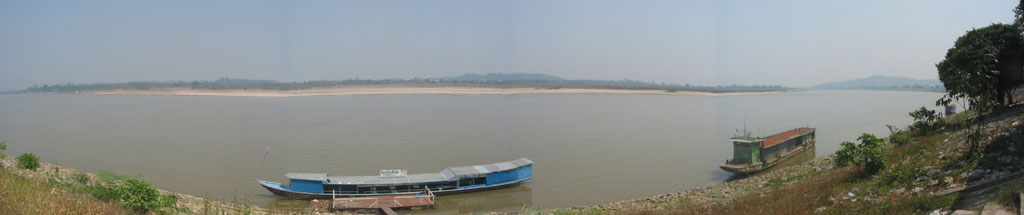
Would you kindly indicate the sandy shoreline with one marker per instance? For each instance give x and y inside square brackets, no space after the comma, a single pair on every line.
[407,90]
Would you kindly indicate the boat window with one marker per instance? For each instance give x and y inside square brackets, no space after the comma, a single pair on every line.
[384,189]
[466,181]
[403,188]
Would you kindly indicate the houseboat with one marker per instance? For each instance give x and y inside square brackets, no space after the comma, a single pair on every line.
[397,182]
[754,154]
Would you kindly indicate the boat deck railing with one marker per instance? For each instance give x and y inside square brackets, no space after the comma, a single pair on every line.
[383,202]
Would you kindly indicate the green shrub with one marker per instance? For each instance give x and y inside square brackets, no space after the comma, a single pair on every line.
[923,119]
[138,195]
[3,148]
[897,137]
[133,193]
[867,154]
[28,161]
[847,154]
[103,193]
[872,158]
[169,201]
[81,178]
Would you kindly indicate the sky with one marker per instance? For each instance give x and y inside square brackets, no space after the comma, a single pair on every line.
[789,43]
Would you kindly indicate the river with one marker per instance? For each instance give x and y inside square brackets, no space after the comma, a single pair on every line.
[587,149]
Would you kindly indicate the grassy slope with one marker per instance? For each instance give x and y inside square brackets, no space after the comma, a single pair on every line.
[21,195]
[51,190]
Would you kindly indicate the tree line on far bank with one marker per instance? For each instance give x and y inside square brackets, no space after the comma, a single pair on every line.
[248,84]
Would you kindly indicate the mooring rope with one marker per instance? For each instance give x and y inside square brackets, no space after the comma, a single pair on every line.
[264,162]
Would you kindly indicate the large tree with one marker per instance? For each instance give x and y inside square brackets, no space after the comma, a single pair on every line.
[1018,14]
[983,67]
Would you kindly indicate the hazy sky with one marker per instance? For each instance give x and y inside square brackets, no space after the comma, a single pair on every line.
[791,43]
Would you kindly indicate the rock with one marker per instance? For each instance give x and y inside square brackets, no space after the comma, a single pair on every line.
[1005,159]
[976,174]
[936,212]
[898,191]
[963,212]
[819,210]
[995,209]
[918,189]
[850,195]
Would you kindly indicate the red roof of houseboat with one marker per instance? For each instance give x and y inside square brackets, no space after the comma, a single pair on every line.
[785,135]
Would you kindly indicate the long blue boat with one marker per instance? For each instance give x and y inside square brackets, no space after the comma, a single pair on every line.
[448,181]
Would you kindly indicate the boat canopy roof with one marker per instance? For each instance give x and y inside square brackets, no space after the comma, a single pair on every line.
[786,135]
[449,174]
[462,171]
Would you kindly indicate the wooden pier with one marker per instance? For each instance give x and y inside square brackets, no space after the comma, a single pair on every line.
[385,203]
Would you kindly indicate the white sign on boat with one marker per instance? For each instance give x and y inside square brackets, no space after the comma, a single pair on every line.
[393,172]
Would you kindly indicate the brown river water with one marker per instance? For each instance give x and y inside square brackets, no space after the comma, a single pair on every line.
[587,149]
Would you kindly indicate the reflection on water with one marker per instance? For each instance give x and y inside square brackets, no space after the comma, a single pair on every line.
[509,199]
[799,158]
[506,200]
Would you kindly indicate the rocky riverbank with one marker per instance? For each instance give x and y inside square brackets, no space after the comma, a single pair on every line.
[717,192]
[935,172]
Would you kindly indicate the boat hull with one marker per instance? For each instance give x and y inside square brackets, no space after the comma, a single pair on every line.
[279,190]
[761,166]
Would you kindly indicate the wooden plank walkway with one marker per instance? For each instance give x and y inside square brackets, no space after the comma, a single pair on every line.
[388,211]
[385,203]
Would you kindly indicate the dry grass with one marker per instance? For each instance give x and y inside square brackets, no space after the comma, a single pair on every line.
[802,197]
[20,195]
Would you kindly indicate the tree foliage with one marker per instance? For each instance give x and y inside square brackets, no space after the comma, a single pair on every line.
[867,154]
[1018,14]
[982,67]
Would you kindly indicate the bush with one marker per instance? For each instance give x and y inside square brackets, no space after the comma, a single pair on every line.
[81,178]
[103,193]
[847,154]
[3,148]
[133,194]
[867,154]
[28,161]
[138,195]
[897,137]
[923,119]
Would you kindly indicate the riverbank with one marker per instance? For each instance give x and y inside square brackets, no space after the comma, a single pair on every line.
[931,174]
[406,90]
[48,190]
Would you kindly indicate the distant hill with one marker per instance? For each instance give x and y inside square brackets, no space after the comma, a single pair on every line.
[505,77]
[881,82]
